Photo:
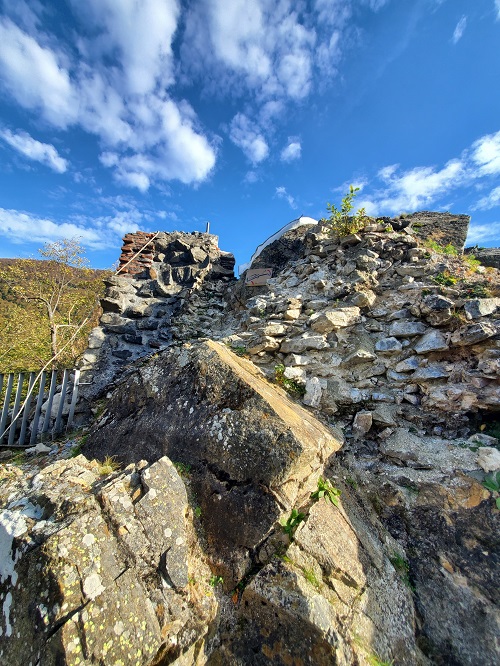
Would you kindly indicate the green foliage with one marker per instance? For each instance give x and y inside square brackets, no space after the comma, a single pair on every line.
[310,576]
[326,491]
[240,350]
[293,521]
[352,482]
[184,469]
[47,307]
[75,451]
[215,580]
[471,261]
[374,660]
[341,222]
[492,483]
[475,290]
[290,385]
[197,511]
[446,279]
[402,566]
[442,249]
[108,466]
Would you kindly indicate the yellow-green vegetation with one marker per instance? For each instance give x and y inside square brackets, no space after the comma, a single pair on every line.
[108,466]
[341,221]
[215,580]
[445,279]
[402,566]
[311,578]
[292,522]
[290,385]
[184,469]
[47,307]
[326,491]
[441,249]
[492,483]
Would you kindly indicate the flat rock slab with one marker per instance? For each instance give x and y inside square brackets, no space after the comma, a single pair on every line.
[252,451]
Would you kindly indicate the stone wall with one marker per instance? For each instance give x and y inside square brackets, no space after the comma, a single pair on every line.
[174,289]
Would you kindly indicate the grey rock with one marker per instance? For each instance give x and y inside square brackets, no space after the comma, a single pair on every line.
[411,363]
[388,345]
[303,343]
[330,320]
[407,329]
[434,371]
[246,441]
[430,342]
[472,335]
[481,307]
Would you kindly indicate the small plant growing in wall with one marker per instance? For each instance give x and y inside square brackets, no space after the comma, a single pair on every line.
[341,221]
[292,522]
[492,483]
[290,385]
[326,491]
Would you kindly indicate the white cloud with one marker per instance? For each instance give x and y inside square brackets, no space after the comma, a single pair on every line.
[292,151]
[281,193]
[459,29]
[35,77]
[490,201]
[141,33]
[263,46]
[35,150]
[387,172]
[246,135]
[413,189]
[483,233]
[117,91]
[497,7]
[18,226]
[486,154]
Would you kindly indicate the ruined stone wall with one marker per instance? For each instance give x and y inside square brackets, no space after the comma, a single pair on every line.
[172,290]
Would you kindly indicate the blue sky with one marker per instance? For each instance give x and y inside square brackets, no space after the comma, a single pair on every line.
[117,115]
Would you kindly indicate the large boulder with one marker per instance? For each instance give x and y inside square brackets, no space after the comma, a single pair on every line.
[100,570]
[253,453]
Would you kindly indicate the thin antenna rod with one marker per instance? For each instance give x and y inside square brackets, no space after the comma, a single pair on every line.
[208,228]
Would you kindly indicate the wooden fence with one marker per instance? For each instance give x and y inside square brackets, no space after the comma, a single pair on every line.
[31,405]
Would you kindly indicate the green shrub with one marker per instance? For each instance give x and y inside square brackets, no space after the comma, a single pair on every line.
[446,279]
[341,223]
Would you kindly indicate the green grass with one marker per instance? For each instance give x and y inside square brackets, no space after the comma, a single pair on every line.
[290,385]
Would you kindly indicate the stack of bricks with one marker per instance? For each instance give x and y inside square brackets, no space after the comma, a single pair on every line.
[132,244]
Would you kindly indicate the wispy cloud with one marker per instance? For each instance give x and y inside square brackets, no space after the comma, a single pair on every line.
[489,201]
[497,7]
[35,150]
[246,135]
[486,154]
[281,193]
[421,186]
[480,234]
[95,232]
[117,89]
[292,151]
[459,30]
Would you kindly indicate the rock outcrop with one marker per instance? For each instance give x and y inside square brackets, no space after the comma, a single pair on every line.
[100,569]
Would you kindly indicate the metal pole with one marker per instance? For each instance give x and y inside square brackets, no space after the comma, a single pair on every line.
[208,228]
